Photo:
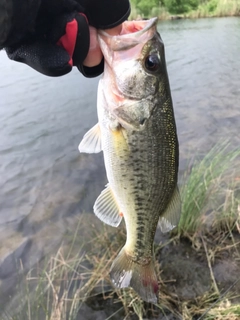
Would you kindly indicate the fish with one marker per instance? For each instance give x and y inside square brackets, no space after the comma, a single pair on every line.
[137,133]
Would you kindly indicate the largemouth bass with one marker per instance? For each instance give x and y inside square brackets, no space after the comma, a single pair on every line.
[137,134]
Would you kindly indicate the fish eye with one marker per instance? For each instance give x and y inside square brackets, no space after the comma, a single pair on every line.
[152,63]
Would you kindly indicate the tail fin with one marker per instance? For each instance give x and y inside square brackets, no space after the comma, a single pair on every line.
[142,278]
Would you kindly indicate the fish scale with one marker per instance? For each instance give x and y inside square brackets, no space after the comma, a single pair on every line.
[137,134]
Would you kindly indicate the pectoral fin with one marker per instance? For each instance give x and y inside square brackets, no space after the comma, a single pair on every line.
[106,208]
[91,142]
[171,216]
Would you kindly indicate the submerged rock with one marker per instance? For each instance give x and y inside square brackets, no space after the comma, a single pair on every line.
[11,254]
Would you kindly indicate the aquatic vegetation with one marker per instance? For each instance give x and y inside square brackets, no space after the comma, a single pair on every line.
[196,279]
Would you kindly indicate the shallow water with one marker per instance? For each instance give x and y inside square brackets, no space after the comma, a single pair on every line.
[45,183]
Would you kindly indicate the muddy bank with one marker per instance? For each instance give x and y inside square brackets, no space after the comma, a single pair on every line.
[192,273]
[193,276]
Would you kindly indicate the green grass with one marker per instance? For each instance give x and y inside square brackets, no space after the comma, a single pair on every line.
[160,12]
[210,189]
[208,8]
[78,273]
[216,8]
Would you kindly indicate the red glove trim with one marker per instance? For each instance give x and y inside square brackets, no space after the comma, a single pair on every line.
[68,40]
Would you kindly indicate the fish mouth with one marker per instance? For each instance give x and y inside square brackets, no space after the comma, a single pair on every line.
[135,26]
[133,33]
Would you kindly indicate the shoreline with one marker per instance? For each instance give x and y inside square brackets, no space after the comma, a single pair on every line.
[180,17]
[185,16]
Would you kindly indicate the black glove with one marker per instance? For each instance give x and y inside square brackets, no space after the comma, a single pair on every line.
[54,53]
[51,36]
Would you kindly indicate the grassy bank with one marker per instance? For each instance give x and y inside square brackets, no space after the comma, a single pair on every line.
[169,9]
[195,281]
[216,8]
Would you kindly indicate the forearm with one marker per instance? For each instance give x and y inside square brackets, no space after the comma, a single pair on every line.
[6,11]
[16,20]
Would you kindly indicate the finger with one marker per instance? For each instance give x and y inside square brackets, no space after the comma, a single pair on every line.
[94,56]
[114,31]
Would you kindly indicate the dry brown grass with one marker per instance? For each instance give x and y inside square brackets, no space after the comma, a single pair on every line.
[78,274]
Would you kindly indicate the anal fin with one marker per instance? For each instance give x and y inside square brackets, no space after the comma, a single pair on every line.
[171,215]
[106,208]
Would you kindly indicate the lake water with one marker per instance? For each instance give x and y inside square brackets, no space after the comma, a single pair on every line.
[45,183]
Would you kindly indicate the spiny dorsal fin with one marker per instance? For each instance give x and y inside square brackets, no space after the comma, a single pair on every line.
[91,142]
[171,215]
[106,208]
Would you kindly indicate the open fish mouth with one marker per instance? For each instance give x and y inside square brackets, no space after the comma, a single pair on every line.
[133,33]
[136,27]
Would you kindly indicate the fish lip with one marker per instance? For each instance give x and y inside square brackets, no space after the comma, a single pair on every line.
[150,23]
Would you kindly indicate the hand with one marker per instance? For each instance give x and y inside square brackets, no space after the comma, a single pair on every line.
[56,35]
[57,56]
[54,53]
